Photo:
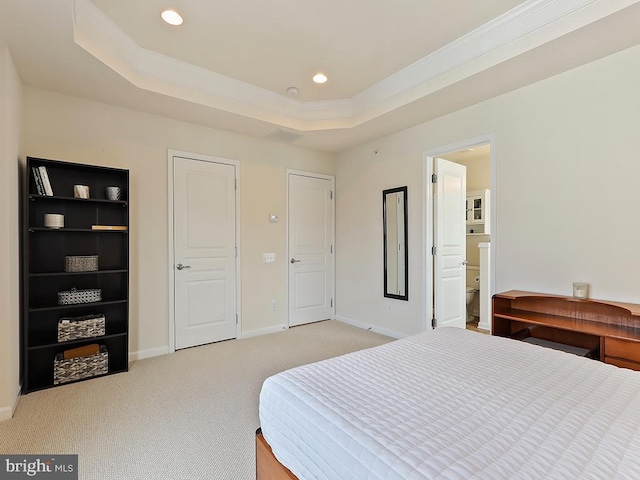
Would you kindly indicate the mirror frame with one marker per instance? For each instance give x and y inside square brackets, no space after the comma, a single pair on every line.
[405,296]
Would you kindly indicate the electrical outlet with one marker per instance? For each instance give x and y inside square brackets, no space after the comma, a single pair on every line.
[269,257]
[274,304]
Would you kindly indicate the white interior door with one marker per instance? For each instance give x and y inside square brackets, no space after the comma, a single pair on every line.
[204,204]
[450,243]
[311,271]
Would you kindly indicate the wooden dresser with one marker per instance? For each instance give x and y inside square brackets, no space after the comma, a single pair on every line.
[608,331]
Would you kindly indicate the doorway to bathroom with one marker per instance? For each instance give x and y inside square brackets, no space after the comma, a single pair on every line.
[477,160]
[477,227]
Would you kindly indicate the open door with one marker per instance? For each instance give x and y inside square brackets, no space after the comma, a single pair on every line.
[450,239]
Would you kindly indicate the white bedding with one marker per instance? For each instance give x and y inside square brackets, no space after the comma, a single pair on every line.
[454,404]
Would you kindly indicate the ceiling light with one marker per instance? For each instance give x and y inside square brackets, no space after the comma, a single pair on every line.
[319,78]
[171,17]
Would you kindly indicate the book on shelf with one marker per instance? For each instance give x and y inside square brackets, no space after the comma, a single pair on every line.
[45,181]
[108,227]
[38,181]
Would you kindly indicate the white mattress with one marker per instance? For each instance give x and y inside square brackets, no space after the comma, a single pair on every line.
[454,404]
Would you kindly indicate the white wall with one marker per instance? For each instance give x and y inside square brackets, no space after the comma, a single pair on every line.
[478,172]
[10,119]
[71,129]
[567,182]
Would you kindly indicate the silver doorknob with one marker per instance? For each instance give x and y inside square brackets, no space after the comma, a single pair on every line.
[293,260]
[464,262]
[181,266]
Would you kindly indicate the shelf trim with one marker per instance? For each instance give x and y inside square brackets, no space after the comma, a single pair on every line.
[633,308]
[47,229]
[571,324]
[35,196]
[76,305]
[45,387]
[60,274]
[77,341]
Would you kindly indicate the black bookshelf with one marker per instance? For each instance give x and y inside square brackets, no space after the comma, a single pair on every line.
[43,264]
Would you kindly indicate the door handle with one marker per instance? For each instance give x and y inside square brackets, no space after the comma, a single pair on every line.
[464,262]
[181,266]
[293,260]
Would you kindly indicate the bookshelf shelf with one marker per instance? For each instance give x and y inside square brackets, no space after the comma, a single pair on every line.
[608,331]
[59,230]
[60,274]
[35,197]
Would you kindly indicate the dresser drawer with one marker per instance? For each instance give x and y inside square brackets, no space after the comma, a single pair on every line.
[623,349]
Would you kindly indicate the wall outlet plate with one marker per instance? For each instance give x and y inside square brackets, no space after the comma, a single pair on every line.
[269,257]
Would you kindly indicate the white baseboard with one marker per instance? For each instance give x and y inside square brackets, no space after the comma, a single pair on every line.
[152,352]
[263,331]
[484,326]
[156,352]
[6,413]
[368,326]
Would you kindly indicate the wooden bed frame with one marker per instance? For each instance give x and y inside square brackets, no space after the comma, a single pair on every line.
[267,466]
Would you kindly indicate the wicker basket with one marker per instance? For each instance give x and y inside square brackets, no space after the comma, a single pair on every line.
[81,263]
[73,296]
[65,371]
[87,326]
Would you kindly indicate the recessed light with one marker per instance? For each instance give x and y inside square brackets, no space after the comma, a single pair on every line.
[319,78]
[171,17]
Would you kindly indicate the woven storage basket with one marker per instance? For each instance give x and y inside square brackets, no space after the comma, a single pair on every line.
[81,263]
[81,367]
[73,296]
[87,326]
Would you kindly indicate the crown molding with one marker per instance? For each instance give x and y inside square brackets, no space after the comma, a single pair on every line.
[530,25]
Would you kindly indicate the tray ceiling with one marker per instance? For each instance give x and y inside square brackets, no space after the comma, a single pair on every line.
[390,65]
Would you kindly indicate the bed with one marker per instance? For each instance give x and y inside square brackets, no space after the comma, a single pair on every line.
[451,404]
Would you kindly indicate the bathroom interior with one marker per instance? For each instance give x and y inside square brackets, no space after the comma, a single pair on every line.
[478,163]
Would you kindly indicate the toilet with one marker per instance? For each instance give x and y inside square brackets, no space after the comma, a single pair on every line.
[471,293]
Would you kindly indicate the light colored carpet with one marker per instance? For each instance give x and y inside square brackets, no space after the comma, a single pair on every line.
[190,415]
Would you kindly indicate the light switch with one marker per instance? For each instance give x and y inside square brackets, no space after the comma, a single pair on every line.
[268,257]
